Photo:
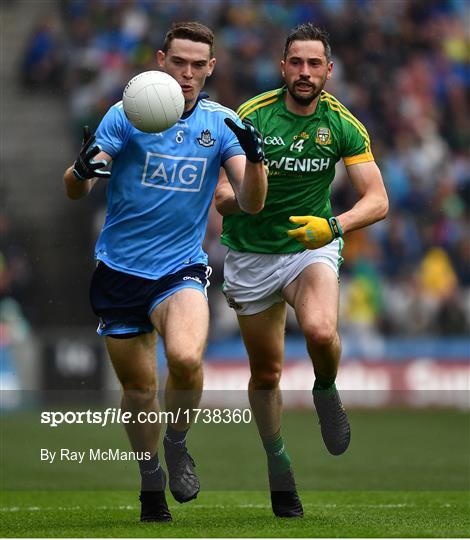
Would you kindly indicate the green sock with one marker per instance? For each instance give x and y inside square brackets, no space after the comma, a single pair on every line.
[278,459]
[323,384]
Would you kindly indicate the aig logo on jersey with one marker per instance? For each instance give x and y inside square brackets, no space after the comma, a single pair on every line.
[174,173]
[323,136]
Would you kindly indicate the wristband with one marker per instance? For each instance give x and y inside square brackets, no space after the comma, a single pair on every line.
[335,227]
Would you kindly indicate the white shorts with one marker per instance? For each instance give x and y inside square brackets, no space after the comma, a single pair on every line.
[254,282]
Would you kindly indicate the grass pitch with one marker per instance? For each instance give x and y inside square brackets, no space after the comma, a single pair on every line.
[406,474]
[238,514]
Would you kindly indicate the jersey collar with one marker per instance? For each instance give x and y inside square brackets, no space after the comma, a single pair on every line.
[187,114]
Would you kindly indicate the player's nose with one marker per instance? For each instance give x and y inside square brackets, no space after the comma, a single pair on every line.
[188,73]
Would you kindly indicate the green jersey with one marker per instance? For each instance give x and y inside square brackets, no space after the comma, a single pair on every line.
[301,153]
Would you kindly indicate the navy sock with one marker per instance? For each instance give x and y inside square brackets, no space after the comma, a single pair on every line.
[151,474]
[172,436]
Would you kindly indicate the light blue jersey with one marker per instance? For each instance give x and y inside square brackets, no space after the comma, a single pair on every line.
[161,189]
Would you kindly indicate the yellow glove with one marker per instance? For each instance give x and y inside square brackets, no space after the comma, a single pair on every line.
[316,231]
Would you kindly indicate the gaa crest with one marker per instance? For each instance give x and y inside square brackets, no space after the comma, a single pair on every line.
[206,139]
[323,136]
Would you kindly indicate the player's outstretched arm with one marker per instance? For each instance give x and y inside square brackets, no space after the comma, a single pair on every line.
[225,201]
[248,175]
[88,167]
[249,183]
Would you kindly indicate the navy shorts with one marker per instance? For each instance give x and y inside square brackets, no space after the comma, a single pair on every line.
[124,302]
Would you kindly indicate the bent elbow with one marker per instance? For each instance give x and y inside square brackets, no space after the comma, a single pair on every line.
[259,208]
[254,209]
[384,207]
[219,203]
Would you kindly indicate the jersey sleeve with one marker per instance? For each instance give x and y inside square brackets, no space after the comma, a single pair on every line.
[230,145]
[113,131]
[356,142]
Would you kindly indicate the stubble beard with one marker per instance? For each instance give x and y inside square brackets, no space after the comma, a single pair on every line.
[304,101]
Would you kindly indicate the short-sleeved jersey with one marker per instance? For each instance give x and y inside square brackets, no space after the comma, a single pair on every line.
[301,152]
[161,187]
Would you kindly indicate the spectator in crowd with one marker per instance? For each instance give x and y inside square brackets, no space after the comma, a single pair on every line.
[43,63]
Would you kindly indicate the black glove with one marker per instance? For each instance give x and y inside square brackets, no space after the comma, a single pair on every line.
[85,168]
[250,139]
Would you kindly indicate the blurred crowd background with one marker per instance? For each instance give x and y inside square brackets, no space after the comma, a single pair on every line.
[400,66]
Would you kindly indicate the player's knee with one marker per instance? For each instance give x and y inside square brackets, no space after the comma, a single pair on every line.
[184,366]
[320,333]
[267,379]
[139,396]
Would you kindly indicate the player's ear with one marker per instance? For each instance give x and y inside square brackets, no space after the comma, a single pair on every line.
[283,66]
[330,71]
[211,66]
[160,58]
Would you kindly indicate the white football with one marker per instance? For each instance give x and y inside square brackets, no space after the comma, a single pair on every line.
[153,101]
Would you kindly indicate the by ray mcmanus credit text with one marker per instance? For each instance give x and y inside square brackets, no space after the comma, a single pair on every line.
[92,454]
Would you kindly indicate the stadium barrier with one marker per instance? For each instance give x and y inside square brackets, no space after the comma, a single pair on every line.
[409,383]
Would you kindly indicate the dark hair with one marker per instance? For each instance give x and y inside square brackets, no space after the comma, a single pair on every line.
[309,32]
[193,31]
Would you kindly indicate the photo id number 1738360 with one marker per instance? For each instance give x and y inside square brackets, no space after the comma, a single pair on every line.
[218,416]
